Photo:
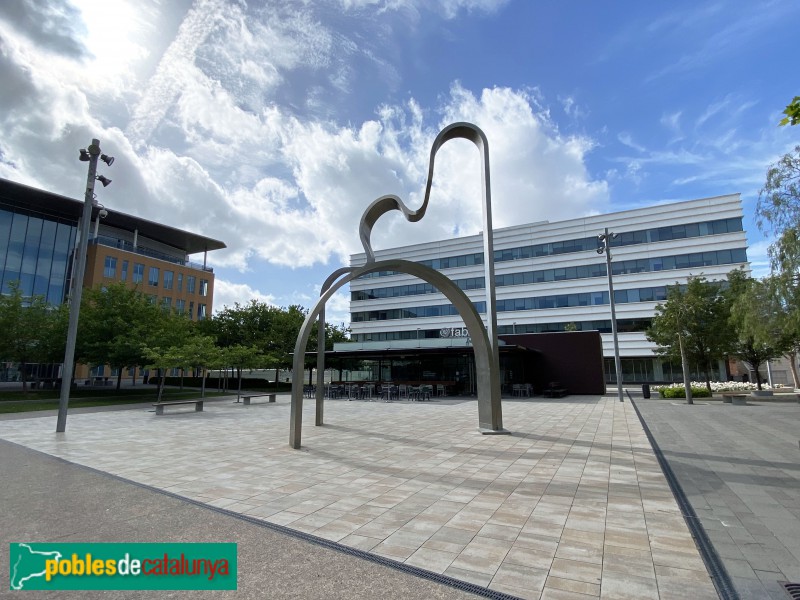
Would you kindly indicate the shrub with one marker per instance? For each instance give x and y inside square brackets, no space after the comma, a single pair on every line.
[675,392]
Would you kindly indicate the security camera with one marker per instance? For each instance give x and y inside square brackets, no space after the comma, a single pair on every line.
[103,213]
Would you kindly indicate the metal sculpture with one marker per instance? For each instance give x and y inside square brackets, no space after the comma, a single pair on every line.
[484,339]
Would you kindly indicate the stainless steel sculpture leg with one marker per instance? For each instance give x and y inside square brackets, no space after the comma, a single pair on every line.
[490,418]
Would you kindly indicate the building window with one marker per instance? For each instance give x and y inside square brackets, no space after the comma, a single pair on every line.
[166,304]
[168,275]
[191,309]
[153,299]
[190,280]
[180,282]
[204,287]
[110,268]
[152,278]
[201,311]
[138,273]
[180,306]
[124,274]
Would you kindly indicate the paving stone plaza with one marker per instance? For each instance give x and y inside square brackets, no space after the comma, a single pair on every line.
[572,505]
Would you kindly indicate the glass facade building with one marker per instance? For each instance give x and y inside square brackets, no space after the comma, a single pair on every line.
[550,278]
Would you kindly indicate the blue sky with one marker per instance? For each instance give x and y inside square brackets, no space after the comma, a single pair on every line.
[273,125]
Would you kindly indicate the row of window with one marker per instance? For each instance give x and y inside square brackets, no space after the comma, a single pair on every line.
[153,274]
[645,294]
[623,267]
[601,325]
[180,306]
[644,236]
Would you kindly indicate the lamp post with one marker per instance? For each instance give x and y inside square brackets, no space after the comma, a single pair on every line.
[90,155]
[605,247]
[514,328]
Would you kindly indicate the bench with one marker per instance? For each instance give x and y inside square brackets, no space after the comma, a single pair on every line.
[249,397]
[737,399]
[554,390]
[198,405]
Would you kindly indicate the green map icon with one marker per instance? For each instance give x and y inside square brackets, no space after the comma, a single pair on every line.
[27,563]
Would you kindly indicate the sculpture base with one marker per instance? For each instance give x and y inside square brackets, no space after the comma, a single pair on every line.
[486,431]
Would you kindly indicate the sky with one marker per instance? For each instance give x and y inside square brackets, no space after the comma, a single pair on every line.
[272,125]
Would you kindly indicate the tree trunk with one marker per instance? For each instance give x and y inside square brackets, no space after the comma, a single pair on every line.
[203,383]
[687,385]
[119,378]
[181,378]
[792,356]
[24,378]
[161,376]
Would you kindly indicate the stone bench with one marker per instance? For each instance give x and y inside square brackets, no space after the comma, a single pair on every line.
[736,399]
[247,399]
[198,405]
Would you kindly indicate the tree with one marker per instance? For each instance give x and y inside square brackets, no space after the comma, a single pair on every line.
[114,323]
[692,325]
[771,315]
[778,213]
[792,112]
[166,345]
[27,329]
[756,321]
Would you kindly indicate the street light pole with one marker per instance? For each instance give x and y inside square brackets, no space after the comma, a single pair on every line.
[605,241]
[93,152]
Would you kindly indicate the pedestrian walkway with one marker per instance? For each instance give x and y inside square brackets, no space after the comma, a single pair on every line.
[739,466]
[572,505]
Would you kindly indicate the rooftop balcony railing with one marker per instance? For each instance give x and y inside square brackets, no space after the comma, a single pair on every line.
[111,242]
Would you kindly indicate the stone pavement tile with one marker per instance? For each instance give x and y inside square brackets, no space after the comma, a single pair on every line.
[499,532]
[627,538]
[681,560]
[360,542]
[482,555]
[769,580]
[432,560]
[571,585]
[577,570]
[449,539]
[752,589]
[572,550]
[678,588]
[639,565]
[394,551]
[739,568]
[528,557]
[469,576]
[628,587]
[520,578]
[557,594]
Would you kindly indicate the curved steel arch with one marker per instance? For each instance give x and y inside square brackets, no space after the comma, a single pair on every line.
[490,418]
[487,356]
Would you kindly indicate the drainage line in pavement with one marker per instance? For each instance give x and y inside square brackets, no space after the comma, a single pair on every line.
[452,582]
[719,574]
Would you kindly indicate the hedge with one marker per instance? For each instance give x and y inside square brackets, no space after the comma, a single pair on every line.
[675,392]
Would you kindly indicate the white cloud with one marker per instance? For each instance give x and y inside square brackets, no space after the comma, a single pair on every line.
[201,152]
[226,294]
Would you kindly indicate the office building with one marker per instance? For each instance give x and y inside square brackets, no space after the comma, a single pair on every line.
[550,278]
[38,237]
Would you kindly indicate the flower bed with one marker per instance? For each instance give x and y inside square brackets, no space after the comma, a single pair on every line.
[716,387]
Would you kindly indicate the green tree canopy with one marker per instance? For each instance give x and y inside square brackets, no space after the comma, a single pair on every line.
[778,214]
[756,320]
[114,324]
[792,112]
[694,315]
